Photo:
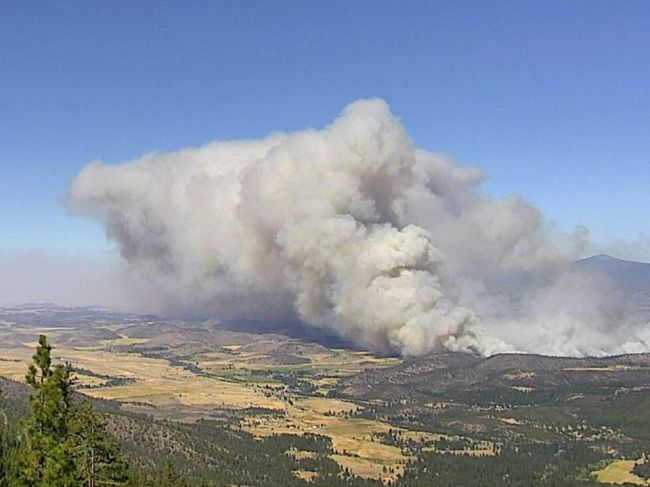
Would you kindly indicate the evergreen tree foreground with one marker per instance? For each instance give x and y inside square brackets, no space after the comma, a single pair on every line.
[62,442]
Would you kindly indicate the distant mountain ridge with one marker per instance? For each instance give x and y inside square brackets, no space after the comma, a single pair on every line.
[631,279]
[518,376]
[617,267]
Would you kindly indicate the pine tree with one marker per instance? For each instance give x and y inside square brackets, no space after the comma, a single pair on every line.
[167,476]
[97,454]
[44,453]
[62,443]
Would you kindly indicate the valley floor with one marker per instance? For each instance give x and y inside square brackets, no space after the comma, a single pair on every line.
[383,419]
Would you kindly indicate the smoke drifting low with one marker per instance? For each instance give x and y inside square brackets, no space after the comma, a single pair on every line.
[352,229]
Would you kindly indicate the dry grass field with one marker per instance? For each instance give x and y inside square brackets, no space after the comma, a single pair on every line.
[160,384]
[368,469]
[355,440]
[166,388]
[237,376]
[300,454]
[307,475]
[13,362]
[619,472]
[240,373]
[352,438]
[326,366]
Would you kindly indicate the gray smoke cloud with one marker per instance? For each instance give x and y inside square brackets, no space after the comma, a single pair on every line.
[351,228]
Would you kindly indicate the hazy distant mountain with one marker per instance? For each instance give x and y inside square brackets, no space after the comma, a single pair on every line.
[631,279]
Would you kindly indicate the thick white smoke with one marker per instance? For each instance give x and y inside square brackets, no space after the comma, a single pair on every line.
[349,228]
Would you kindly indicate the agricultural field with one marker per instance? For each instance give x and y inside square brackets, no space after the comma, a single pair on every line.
[374,418]
[620,472]
[277,384]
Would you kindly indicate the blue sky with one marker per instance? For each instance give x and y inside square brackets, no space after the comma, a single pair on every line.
[550,99]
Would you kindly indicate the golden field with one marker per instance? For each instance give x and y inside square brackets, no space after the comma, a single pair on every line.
[237,377]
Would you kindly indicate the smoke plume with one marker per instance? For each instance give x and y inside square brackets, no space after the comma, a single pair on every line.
[353,229]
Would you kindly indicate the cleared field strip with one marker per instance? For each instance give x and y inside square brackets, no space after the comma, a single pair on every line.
[159,383]
[620,472]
